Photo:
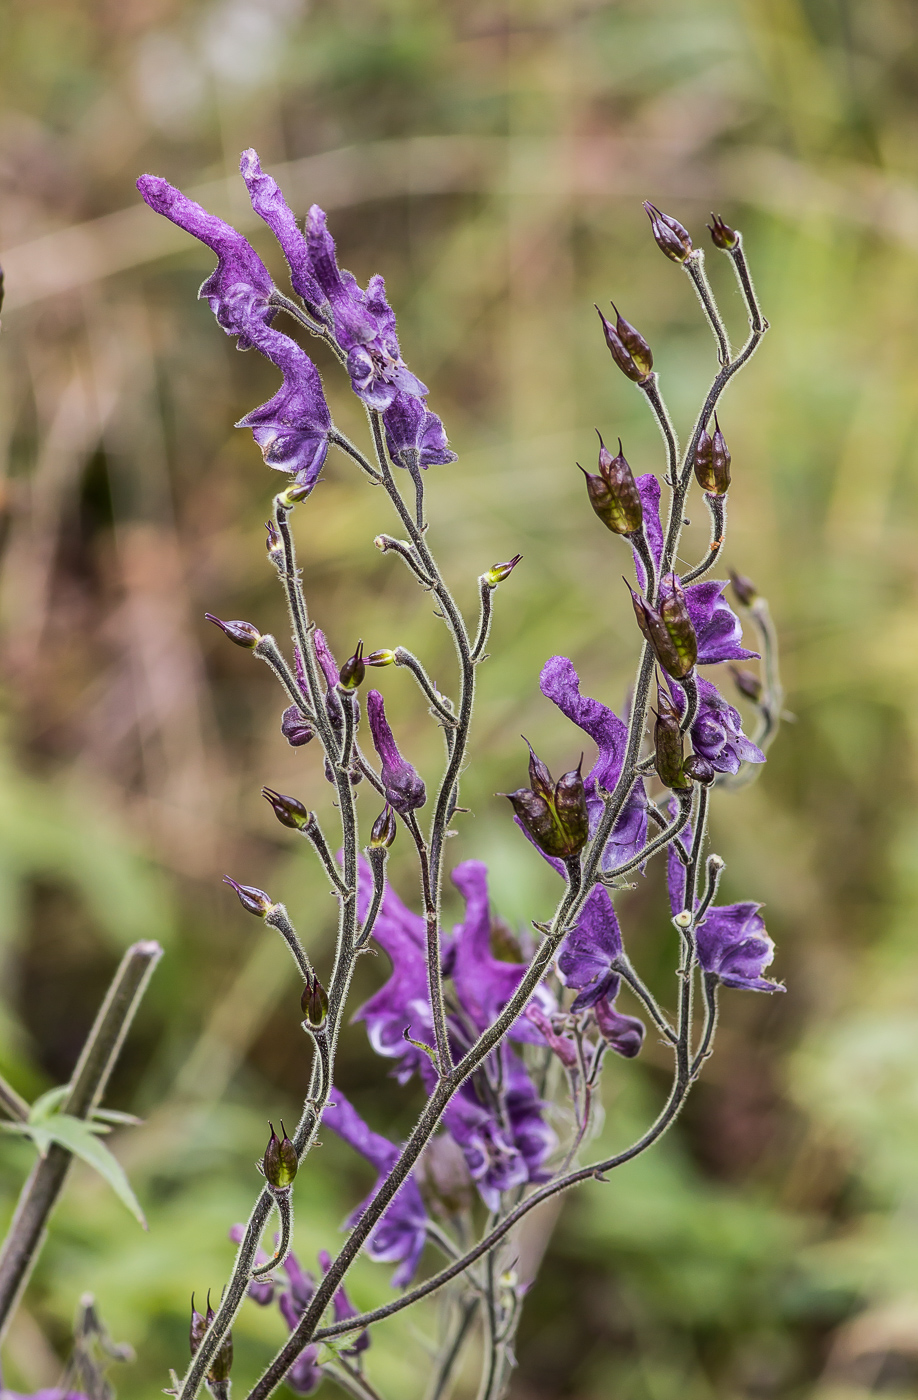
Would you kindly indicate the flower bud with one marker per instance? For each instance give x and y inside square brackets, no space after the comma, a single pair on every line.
[668,747]
[613,494]
[747,683]
[294,493]
[353,670]
[498,572]
[280,1161]
[628,349]
[242,633]
[197,1329]
[744,589]
[723,236]
[671,238]
[295,727]
[384,828]
[252,899]
[384,657]
[314,1004]
[288,810]
[700,768]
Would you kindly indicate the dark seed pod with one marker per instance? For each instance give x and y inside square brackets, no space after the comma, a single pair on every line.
[353,671]
[571,807]
[280,1161]
[242,633]
[252,899]
[668,747]
[633,342]
[671,238]
[722,235]
[288,810]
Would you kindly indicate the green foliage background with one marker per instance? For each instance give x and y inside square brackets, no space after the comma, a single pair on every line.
[490,159]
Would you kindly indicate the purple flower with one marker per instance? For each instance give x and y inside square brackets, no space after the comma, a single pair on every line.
[400,1235]
[403,1003]
[411,427]
[589,952]
[560,683]
[717,733]
[732,942]
[625,1034]
[343,1309]
[55,1392]
[403,784]
[291,428]
[716,625]
[269,204]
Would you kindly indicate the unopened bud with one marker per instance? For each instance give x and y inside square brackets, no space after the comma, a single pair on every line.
[353,670]
[671,238]
[288,810]
[295,727]
[252,899]
[314,1003]
[384,828]
[747,683]
[280,1161]
[274,544]
[242,633]
[293,494]
[700,768]
[723,236]
[498,572]
[744,589]
[383,657]
[197,1329]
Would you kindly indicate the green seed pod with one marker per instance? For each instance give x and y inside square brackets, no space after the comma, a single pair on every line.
[280,1160]
[668,747]
[498,572]
[536,816]
[384,828]
[673,610]
[314,1004]
[540,780]
[353,671]
[383,657]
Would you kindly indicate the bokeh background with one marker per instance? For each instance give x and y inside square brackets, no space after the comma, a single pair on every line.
[490,159]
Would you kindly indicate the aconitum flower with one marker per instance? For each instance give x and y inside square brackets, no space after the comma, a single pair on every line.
[587,964]
[400,1235]
[411,428]
[717,733]
[560,683]
[716,625]
[291,428]
[405,790]
[732,941]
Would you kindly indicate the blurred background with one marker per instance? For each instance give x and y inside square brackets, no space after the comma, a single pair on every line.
[490,159]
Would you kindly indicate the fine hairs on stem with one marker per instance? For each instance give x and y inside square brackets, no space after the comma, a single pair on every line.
[491,1038]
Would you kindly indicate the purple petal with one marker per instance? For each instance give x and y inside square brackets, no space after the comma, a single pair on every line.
[589,951]
[291,428]
[717,733]
[625,1034]
[269,204]
[734,946]
[717,626]
[411,426]
[404,786]
[649,491]
[353,324]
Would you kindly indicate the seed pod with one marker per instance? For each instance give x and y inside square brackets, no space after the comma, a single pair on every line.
[676,650]
[222,1363]
[671,238]
[619,479]
[668,747]
[540,780]
[384,828]
[280,1161]
[295,727]
[720,463]
[722,235]
[498,572]
[353,671]
[536,817]
[242,633]
[252,899]
[197,1329]
[274,545]
[554,814]
[571,807]
[675,615]
[633,342]
[314,1004]
[384,657]
[636,367]
[702,462]
[288,810]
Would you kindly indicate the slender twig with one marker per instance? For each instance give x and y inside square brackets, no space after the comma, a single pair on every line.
[347,447]
[313,833]
[13,1104]
[453,1346]
[438,702]
[278,918]
[694,266]
[717,505]
[283,1199]
[87,1085]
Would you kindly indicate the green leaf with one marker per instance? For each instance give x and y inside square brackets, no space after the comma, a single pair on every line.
[48,1103]
[81,1139]
[114,1115]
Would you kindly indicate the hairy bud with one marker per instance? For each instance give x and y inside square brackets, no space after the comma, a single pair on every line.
[671,238]
[498,572]
[242,633]
[700,768]
[744,589]
[722,235]
[252,899]
[747,683]
[288,810]
[280,1160]
[384,828]
[383,657]
[353,671]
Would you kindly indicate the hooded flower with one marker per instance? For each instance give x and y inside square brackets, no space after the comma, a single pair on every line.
[587,964]
[716,625]
[496,1115]
[291,428]
[717,733]
[411,427]
[400,1235]
[732,942]
[624,1034]
[403,784]
[560,683]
